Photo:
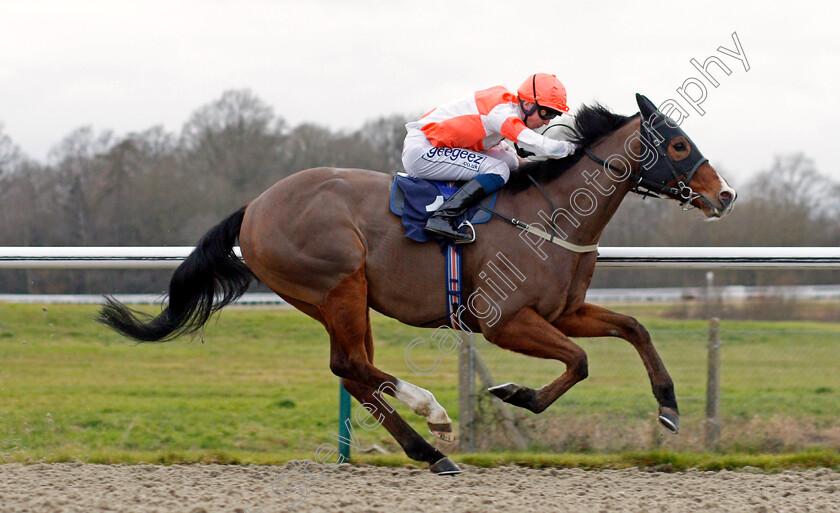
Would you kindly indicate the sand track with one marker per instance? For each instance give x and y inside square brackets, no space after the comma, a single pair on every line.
[209,488]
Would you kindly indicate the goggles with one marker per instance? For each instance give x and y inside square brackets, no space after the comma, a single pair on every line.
[546,114]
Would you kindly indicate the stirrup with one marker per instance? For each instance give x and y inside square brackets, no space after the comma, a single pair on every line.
[471,231]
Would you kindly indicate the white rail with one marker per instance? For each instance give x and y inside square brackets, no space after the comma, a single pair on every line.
[93,257]
[130,257]
[720,257]
[593,295]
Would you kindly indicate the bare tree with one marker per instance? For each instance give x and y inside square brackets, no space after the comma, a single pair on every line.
[235,137]
[386,136]
[10,155]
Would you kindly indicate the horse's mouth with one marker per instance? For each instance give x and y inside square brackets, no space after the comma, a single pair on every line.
[712,211]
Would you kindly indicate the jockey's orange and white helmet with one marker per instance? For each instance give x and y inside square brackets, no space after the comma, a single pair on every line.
[544,90]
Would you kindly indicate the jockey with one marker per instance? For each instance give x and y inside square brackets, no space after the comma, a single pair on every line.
[464,140]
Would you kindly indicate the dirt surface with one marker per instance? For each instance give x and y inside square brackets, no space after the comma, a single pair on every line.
[210,488]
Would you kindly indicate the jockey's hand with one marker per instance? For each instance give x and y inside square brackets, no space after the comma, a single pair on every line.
[562,149]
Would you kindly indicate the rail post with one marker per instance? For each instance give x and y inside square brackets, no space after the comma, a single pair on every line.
[343,422]
[466,393]
[712,423]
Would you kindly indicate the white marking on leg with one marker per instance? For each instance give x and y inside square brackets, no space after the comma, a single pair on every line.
[422,402]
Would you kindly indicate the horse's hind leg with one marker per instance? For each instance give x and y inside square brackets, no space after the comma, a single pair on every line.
[528,333]
[594,321]
[413,444]
[345,314]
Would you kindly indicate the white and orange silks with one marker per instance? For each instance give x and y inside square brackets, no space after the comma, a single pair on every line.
[463,139]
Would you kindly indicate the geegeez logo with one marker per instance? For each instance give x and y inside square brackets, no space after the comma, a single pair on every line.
[466,158]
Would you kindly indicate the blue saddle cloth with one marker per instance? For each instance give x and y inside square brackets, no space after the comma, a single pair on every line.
[415,200]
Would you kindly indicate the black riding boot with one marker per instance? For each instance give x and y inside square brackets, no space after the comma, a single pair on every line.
[441,222]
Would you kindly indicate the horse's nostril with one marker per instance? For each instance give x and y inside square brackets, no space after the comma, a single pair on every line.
[726,197]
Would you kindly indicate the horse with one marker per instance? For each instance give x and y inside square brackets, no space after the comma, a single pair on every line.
[323,239]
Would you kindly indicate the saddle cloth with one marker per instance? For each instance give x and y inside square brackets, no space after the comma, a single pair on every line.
[415,200]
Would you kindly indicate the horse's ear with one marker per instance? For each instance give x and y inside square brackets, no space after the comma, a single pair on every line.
[646,107]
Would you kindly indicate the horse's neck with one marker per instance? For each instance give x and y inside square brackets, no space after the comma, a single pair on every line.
[587,195]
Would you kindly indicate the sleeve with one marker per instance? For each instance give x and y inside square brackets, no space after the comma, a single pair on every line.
[504,121]
[541,145]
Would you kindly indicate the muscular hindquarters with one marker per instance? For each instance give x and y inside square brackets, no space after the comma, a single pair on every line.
[300,238]
[308,232]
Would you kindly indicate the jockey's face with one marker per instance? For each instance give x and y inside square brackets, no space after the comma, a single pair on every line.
[533,121]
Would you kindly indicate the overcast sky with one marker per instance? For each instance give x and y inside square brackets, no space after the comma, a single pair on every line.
[127,66]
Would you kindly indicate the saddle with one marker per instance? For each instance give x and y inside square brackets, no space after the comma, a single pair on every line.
[415,200]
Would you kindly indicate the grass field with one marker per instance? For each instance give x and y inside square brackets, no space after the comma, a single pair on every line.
[258,389]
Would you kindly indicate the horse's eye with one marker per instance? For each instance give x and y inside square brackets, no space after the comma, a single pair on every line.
[680,146]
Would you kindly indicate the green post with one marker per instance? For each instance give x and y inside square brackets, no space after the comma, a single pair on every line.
[343,421]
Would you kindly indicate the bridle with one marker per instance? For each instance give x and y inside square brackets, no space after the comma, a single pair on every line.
[649,188]
[652,178]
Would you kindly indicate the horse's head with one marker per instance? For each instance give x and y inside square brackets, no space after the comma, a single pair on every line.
[672,165]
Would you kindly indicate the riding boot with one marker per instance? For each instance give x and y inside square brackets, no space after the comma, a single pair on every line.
[441,222]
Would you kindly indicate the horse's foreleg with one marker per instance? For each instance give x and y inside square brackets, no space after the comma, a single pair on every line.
[528,333]
[594,321]
[345,315]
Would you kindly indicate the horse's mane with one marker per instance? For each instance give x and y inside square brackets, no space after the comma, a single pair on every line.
[591,124]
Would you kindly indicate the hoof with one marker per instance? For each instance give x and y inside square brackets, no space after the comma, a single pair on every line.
[445,467]
[670,419]
[442,431]
[504,392]
[516,395]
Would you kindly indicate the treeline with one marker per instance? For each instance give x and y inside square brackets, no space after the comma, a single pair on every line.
[155,188]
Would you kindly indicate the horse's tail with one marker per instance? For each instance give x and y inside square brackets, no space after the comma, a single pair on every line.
[211,272]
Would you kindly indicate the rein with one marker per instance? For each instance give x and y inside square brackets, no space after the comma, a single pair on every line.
[541,234]
[550,204]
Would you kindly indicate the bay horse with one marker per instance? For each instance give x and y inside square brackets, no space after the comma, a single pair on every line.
[324,240]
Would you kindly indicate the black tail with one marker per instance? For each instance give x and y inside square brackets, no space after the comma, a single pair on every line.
[212,270]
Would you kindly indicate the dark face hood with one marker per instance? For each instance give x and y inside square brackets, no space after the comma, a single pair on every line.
[658,130]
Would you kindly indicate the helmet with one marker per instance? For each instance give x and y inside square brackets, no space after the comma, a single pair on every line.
[544,90]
